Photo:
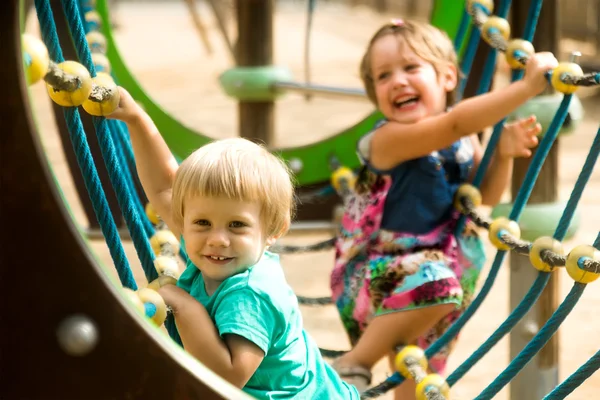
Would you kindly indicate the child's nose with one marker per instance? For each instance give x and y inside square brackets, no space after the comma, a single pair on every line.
[218,239]
[399,78]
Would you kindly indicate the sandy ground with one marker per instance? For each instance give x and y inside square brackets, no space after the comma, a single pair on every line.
[176,71]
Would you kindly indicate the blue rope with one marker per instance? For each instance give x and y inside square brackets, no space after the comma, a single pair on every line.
[533,294]
[524,306]
[84,156]
[576,379]
[538,341]
[107,148]
[465,20]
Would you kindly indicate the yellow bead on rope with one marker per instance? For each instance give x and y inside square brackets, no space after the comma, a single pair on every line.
[574,263]
[36,58]
[432,382]
[540,244]
[558,74]
[343,178]
[410,353]
[152,214]
[486,5]
[163,238]
[77,96]
[467,191]
[494,25]
[518,48]
[107,89]
[154,305]
[503,225]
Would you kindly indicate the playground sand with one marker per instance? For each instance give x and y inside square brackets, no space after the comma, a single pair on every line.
[182,78]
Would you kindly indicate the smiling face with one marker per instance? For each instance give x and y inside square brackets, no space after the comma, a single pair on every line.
[223,236]
[407,88]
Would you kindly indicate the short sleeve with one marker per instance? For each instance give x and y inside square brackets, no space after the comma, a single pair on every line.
[246,314]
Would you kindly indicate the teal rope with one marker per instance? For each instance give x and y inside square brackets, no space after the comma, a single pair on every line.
[107,148]
[576,379]
[465,20]
[84,157]
[540,282]
[538,341]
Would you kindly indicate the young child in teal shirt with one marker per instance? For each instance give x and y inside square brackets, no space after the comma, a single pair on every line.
[229,201]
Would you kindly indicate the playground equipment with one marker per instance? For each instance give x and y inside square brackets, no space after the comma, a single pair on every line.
[96,333]
[257,84]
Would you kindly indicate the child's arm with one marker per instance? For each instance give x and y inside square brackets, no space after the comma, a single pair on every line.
[516,140]
[155,164]
[235,359]
[394,142]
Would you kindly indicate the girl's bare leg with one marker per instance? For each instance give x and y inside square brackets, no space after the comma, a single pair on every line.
[385,332]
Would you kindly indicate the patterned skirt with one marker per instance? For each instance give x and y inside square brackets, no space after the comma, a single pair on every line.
[378,272]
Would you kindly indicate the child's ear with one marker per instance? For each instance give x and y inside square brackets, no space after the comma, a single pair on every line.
[450,78]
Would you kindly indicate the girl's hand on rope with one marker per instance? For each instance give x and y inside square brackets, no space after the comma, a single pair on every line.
[519,137]
[536,68]
[128,109]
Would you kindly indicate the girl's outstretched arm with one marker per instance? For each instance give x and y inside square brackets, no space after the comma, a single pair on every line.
[395,142]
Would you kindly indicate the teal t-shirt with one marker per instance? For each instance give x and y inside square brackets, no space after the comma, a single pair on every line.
[260,306]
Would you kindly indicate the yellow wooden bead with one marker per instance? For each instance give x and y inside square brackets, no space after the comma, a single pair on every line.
[413,352]
[166,265]
[151,214]
[432,382]
[544,243]
[36,58]
[93,19]
[101,63]
[110,104]
[503,224]
[162,281]
[78,96]
[134,299]
[161,238]
[495,24]
[96,42]
[340,175]
[151,296]
[470,192]
[518,46]
[576,256]
[566,68]
[488,5]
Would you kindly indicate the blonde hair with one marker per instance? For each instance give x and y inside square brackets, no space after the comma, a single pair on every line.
[238,169]
[427,41]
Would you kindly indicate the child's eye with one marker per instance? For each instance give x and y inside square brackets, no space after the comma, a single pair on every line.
[412,67]
[202,222]
[382,76]
[237,224]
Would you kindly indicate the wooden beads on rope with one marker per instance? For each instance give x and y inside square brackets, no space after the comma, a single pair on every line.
[575,260]
[107,101]
[96,42]
[411,362]
[162,240]
[518,48]
[540,244]
[149,303]
[432,383]
[410,356]
[486,5]
[467,191]
[36,58]
[152,214]
[495,25]
[343,179]
[558,74]
[83,85]
[500,226]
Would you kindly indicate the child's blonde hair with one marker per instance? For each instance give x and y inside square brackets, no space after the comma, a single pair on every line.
[238,169]
[427,41]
